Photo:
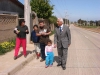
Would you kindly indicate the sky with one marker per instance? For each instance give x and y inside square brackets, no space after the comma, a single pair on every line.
[76,9]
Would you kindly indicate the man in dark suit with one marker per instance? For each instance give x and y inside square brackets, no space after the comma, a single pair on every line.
[62,40]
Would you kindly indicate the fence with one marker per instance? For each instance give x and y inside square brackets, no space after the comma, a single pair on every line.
[7,25]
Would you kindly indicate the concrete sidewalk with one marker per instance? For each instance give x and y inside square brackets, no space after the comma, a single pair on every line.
[8,65]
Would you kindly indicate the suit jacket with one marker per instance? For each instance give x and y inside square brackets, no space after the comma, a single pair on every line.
[62,38]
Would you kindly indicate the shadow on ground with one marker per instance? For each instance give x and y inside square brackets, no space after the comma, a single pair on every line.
[28,52]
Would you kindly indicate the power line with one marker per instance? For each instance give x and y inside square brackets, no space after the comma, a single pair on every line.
[57,10]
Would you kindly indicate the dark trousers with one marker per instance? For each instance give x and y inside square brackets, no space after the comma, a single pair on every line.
[42,46]
[62,55]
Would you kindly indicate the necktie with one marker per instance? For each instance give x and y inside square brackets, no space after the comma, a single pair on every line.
[60,29]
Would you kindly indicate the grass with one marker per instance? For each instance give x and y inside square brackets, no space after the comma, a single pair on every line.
[89,26]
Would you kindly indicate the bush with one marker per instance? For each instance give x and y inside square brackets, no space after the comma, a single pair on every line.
[7,46]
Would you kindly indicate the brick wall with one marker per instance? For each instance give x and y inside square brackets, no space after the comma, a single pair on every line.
[7,25]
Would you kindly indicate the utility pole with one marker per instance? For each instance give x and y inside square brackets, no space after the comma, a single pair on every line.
[65,18]
[27,11]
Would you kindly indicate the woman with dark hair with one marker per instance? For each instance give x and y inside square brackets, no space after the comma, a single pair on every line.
[21,30]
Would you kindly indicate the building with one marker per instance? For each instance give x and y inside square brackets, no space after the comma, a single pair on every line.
[12,7]
[10,12]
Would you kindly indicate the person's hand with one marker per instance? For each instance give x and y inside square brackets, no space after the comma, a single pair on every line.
[31,42]
[17,32]
[26,31]
[55,45]
[40,34]
[43,34]
[68,45]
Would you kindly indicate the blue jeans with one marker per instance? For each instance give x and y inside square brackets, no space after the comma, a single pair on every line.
[42,46]
[49,58]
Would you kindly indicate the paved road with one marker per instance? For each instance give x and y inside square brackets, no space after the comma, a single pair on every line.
[83,57]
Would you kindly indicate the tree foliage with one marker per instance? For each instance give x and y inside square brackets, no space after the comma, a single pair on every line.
[91,22]
[42,8]
[53,19]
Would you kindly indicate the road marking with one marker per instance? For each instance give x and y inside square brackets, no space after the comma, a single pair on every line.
[86,36]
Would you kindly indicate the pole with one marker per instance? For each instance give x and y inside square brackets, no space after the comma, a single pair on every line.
[27,17]
[65,18]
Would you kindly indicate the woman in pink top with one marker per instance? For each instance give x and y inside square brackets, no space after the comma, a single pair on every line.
[49,54]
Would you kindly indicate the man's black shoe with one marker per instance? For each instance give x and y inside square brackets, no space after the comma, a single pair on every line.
[42,60]
[59,65]
[64,68]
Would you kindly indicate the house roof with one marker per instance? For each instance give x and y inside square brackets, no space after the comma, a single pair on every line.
[18,3]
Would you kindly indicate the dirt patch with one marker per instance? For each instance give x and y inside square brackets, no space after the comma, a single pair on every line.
[95,29]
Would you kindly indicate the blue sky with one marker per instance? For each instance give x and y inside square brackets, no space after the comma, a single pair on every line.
[76,9]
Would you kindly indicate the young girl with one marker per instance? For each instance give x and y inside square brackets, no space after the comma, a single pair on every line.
[49,54]
[35,39]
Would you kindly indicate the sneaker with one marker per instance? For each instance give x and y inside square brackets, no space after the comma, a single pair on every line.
[15,57]
[50,65]
[25,56]
[58,65]
[37,57]
[46,66]
[64,68]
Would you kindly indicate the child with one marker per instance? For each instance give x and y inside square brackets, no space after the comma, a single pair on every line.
[35,39]
[49,54]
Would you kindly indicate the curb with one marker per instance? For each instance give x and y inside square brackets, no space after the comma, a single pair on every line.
[20,65]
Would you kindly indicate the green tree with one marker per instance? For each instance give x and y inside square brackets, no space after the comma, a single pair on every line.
[91,22]
[53,19]
[42,8]
[81,22]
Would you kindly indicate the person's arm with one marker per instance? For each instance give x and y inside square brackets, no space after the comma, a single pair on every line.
[46,51]
[16,30]
[38,34]
[69,36]
[55,39]
[31,36]
[48,32]
[27,31]
[53,46]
